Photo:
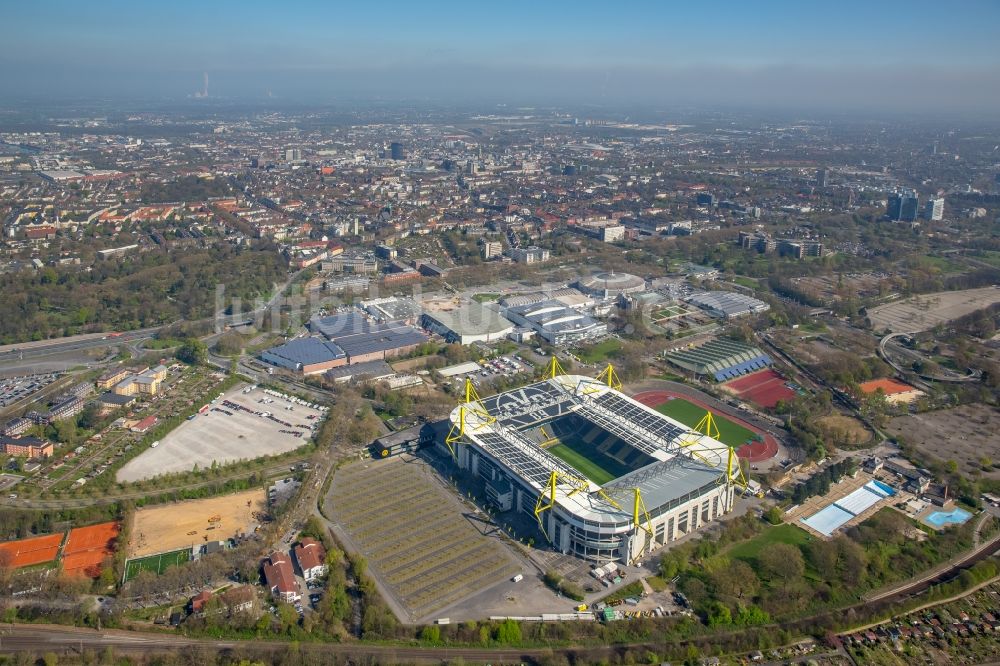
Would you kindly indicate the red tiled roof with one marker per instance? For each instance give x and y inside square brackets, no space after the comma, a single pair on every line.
[309,553]
[279,575]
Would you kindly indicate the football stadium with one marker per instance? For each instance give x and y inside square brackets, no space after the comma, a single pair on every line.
[606,477]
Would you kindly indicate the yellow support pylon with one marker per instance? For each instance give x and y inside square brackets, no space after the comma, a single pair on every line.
[547,498]
[707,426]
[734,462]
[639,511]
[610,377]
[545,503]
[554,369]
[457,432]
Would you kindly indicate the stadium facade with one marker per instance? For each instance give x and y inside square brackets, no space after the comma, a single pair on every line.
[607,478]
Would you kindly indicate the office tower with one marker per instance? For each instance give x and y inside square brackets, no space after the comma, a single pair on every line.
[293,155]
[934,209]
[705,199]
[396,151]
[902,206]
[822,176]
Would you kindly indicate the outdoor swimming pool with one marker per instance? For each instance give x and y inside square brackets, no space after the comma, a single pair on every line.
[831,517]
[956,516]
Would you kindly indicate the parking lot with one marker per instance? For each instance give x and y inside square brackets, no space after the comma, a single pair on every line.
[18,388]
[243,424]
[502,366]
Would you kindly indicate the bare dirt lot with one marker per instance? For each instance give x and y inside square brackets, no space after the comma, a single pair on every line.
[184,524]
[967,434]
[226,434]
[926,311]
[851,429]
[833,288]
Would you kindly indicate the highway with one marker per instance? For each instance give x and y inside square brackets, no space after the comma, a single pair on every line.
[42,348]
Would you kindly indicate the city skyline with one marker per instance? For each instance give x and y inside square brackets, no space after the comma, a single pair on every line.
[893,56]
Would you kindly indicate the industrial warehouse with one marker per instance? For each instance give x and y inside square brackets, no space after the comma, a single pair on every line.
[607,478]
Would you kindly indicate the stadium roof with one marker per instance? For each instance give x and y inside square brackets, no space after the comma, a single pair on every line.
[677,471]
[301,352]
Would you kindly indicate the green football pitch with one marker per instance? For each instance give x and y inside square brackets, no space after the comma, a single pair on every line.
[156,563]
[689,414]
[590,462]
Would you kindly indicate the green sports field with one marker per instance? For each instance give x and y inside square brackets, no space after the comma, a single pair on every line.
[590,462]
[156,563]
[690,414]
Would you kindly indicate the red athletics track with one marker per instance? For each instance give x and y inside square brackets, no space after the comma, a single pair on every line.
[765,388]
[755,452]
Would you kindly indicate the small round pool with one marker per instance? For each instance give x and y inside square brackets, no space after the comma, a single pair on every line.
[956,516]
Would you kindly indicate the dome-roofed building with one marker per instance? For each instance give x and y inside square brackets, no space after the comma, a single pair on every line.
[609,285]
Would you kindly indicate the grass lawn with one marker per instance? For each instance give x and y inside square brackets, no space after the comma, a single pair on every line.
[591,463]
[599,352]
[690,414]
[745,281]
[483,298]
[749,550]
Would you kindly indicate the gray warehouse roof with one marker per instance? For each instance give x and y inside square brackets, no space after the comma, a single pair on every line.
[472,319]
[304,351]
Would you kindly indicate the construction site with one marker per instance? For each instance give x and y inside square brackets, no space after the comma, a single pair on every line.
[184,525]
[606,478]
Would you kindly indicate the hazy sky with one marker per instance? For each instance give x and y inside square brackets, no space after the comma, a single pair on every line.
[840,54]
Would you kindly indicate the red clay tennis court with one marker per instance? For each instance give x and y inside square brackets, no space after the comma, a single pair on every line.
[764,388]
[36,550]
[754,452]
[87,547]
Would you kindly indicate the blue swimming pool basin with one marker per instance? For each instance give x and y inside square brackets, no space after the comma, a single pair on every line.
[956,516]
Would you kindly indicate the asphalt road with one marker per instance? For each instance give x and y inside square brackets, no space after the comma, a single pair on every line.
[43,348]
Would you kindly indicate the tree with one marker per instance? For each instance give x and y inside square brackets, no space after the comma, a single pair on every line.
[508,633]
[431,634]
[781,561]
[735,579]
[751,615]
[193,352]
[717,614]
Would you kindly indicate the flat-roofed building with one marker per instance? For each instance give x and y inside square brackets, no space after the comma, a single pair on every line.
[727,304]
[364,340]
[475,322]
[309,356]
